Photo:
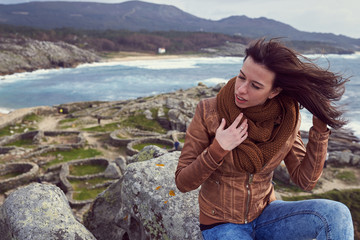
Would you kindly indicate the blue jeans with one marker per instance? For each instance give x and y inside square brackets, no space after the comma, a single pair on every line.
[308,219]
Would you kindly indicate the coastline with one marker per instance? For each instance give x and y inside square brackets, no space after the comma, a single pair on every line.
[135,56]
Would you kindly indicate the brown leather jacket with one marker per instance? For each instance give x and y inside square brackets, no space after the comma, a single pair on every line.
[227,195]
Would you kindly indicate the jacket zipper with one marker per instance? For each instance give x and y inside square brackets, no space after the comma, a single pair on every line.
[251,176]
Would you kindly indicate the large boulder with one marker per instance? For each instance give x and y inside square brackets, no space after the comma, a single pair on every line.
[152,207]
[100,219]
[41,212]
[146,204]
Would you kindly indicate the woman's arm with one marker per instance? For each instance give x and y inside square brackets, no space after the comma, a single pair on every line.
[200,156]
[305,165]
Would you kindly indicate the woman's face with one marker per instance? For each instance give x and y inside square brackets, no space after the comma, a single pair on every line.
[254,85]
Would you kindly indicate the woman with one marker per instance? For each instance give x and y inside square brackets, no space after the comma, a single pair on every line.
[236,140]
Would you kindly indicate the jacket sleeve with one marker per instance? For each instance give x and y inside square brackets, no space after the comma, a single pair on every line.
[201,154]
[305,165]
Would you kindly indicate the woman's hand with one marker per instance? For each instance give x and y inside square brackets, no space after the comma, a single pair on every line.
[232,136]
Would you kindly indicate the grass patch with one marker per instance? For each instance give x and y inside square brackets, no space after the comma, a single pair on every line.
[140,146]
[86,194]
[10,130]
[67,123]
[78,184]
[27,143]
[65,156]
[141,122]
[351,198]
[287,187]
[67,120]
[103,128]
[346,176]
[86,169]
[10,175]
[26,123]
[31,118]
[155,112]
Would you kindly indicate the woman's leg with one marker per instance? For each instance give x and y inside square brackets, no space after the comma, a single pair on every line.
[228,231]
[309,219]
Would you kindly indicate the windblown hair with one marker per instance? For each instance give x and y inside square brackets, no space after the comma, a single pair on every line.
[300,78]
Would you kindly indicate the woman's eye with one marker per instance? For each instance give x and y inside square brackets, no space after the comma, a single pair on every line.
[256,87]
[241,77]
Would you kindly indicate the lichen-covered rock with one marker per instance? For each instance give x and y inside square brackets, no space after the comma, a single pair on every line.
[147,153]
[152,207]
[100,219]
[112,171]
[41,212]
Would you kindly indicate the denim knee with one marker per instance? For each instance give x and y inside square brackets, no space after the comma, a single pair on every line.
[338,219]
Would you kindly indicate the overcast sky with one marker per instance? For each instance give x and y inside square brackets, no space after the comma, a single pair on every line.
[326,16]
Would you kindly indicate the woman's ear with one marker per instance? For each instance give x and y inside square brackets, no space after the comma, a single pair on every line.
[275,92]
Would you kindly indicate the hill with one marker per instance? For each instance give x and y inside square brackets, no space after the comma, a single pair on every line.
[137,16]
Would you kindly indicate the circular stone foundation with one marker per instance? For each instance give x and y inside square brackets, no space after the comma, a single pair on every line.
[13,175]
[135,146]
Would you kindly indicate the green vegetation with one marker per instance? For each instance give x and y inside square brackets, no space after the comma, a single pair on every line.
[141,122]
[28,123]
[65,122]
[346,176]
[65,156]
[76,183]
[31,118]
[10,175]
[351,198]
[106,41]
[85,194]
[103,128]
[287,187]
[82,189]
[155,112]
[140,146]
[86,169]
[27,143]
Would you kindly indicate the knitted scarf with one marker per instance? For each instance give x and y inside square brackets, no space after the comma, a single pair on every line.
[269,127]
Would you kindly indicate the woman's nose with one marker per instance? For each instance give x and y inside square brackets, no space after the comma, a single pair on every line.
[242,88]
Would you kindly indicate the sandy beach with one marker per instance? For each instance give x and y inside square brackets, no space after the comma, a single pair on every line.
[134,56]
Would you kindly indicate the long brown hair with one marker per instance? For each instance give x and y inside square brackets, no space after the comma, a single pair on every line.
[300,78]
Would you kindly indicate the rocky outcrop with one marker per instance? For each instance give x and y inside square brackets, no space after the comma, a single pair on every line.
[23,54]
[147,153]
[101,218]
[152,207]
[145,203]
[42,212]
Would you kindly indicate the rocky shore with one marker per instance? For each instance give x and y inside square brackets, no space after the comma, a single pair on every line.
[131,143]
[25,54]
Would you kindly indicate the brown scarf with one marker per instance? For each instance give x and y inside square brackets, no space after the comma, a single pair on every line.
[270,125]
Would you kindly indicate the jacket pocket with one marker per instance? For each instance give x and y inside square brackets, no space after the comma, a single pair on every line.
[210,197]
[211,190]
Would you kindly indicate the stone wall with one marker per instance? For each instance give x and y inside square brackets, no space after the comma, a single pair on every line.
[27,171]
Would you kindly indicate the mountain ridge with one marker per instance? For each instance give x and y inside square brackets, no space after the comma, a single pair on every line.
[139,16]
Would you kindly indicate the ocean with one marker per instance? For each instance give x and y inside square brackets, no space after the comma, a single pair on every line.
[111,81]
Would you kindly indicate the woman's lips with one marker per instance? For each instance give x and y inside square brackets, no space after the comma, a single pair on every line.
[240,99]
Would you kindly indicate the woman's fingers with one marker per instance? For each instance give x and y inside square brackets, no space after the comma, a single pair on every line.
[232,136]
[237,121]
[222,124]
